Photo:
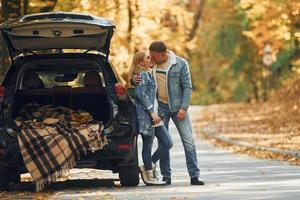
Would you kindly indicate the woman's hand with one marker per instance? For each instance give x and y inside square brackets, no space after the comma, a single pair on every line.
[155,118]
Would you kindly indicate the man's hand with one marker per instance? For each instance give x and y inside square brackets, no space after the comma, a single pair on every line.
[136,79]
[181,114]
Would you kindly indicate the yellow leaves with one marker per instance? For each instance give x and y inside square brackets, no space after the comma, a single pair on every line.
[297,35]
[85,4]
[256,11]
[295,107]
[283,33]
[108,196]
[284,16]
[271,22]
[138,23]
[296,12]
[262,125]
[245,4]
[296,66]
[274,22]
[265,73]
[249,34]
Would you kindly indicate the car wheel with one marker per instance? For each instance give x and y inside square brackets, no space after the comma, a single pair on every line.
[14,176]
[7,176]
[129,174]
[4,180]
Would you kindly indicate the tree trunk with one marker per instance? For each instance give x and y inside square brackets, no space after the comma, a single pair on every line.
[117,6]
[10,9]
[130,24]
[255,89]
[25,6]
[14,8]
[197,17]
[50,6]
[192,33]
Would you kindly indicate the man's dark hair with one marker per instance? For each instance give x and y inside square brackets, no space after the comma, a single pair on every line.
[158,46]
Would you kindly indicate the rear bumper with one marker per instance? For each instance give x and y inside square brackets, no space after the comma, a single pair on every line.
[108,158]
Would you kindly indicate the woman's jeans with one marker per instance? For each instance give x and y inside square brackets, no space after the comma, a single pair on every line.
[165,144]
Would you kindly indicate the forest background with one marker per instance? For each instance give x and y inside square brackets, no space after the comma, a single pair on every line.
[224,41]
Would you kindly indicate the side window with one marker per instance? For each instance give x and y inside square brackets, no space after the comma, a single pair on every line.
[5,61]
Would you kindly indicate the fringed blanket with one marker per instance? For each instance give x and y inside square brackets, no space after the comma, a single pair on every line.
[52,138]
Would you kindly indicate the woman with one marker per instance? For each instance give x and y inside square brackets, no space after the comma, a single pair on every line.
[150,124]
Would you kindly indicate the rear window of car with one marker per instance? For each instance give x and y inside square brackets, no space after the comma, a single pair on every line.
[56,79]
[50,82]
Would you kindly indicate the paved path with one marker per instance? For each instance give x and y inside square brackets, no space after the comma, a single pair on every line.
[227,176]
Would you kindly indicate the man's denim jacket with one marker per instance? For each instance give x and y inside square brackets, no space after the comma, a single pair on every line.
[179,84]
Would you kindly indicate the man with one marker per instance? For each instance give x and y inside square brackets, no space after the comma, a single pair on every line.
[174,85]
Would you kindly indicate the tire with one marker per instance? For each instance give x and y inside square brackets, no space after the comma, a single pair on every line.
[129,174]
[7,176]
[4,180]
[15,177]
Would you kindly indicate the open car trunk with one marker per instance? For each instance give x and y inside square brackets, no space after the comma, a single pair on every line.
[57,30]
[62,83]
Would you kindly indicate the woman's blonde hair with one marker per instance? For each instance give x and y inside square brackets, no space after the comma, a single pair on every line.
[136,67]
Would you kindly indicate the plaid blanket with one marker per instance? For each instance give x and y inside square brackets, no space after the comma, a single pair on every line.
[52,138]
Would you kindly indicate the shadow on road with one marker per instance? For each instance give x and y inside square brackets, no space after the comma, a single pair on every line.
[68,184]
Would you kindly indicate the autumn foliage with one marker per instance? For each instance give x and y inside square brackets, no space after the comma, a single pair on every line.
[223,40]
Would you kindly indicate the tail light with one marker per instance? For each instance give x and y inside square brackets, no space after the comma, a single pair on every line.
[121,91]
[2,93]
[2,152]
[124,146]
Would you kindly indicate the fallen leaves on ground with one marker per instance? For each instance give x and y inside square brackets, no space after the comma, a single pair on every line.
[275,124]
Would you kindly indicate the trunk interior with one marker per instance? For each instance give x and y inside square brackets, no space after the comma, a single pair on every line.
[41,86]
[95,102]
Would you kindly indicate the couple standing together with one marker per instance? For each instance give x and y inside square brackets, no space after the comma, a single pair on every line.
[163,89]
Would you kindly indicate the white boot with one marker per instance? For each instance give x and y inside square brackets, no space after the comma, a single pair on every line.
[155,173]
[152,180]
[144,174]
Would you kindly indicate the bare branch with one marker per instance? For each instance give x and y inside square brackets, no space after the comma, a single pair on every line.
[196,22]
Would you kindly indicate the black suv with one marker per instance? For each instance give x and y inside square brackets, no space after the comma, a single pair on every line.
[61,58]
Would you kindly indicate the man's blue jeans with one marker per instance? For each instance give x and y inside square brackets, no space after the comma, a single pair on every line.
[185,131]
[165,144]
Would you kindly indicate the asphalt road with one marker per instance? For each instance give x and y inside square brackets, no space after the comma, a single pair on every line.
[227,176]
